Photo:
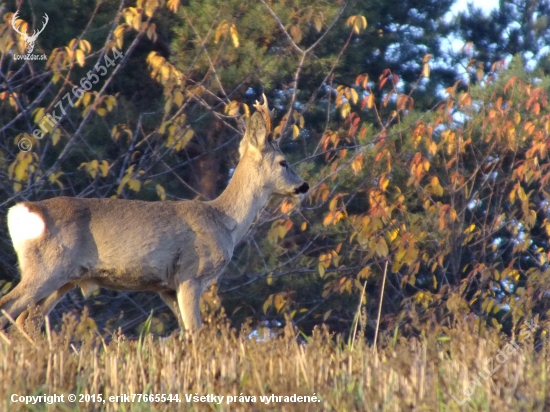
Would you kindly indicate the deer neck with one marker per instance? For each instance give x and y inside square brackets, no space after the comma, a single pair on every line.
[241,201]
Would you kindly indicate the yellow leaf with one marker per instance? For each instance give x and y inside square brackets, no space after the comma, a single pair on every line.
[304,226]
[279,302]
[364,273]
[129,15]
[162,127]
[328,219]
[187,137]
[86,98]
[318,22]
[345,109]
[85,46]
[134,185]
[521,194]
[54,178]
[333,203]
[286,206]
[435,187]
[268,303]
[400,255]
[370,101]
[173,5]
[358,23]
[104,168]
[365,81]
[150,7]
[354,96]
[232,109]
[295,132]
[513,197]
[234,35]
[80,58]
[136,22]
[296,33]
[383,183]
[119,33]
[91,167]
[357,163]
[38,114]
[246,111]
[56,136]
[164,73]
[426,70]
[161,193]
[382,248]
[110,101]
[22,163]
[178,98]
[392,234]
[221,30]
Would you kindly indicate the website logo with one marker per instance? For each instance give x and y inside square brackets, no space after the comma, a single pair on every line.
[30,40]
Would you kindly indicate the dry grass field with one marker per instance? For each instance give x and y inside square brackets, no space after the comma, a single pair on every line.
[403,375]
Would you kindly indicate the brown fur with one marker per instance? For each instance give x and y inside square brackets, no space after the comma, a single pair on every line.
[174,248]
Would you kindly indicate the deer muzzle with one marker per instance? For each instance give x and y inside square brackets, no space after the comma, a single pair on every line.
[301,189]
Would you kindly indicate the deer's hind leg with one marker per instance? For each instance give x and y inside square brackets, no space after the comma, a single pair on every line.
[46,305]
[37,284]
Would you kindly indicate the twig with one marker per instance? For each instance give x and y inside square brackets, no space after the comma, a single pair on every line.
[282,28]
[48,331]
[358,313]
[380,306]
[5,338]
[19,328]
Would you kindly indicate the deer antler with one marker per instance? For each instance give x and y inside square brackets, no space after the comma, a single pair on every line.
[263,109]
[37,32]
[15,28]
[30,39]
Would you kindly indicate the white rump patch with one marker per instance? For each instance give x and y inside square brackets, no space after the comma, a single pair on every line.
[24,225]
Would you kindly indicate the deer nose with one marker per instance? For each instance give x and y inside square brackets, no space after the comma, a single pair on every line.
[302,189]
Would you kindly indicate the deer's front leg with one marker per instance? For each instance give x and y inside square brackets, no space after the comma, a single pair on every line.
[189,295]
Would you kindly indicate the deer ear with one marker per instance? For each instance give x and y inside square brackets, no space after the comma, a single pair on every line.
[255,135]
[257,131]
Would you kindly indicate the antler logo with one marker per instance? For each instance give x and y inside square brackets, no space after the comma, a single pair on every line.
[29,39]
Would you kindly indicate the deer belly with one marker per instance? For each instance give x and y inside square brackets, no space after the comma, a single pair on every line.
[139,279]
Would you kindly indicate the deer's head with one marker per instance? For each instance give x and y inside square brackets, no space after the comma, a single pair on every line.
[267,164]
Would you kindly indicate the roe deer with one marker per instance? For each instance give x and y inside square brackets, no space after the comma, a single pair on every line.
[175,248]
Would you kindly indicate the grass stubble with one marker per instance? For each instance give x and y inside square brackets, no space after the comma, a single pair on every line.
[401,375]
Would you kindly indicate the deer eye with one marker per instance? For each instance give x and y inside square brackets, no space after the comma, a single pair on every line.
[283,163]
